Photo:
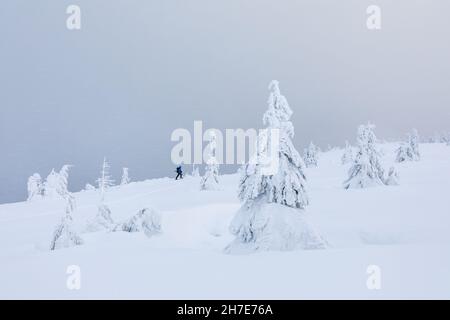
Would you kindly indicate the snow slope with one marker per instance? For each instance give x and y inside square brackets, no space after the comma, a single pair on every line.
[405,230]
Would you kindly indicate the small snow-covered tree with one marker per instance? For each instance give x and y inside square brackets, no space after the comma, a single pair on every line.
[366,170]
[125,177]
[273,193]
[35,187]
[103,219]
[65,235]
[347,157]
[392,178]
[404,152]
[210,180]
[147,220]
[413,140]
[105,181]
[56,183]
[89,187]
[195,172]
[51,184]
[63,181]
[310,155]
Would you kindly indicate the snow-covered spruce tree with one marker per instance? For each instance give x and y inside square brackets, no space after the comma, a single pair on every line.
[35,187]
[413,140]
[366,170]
[392,178]
[105,181]
[51,184]
[64,235]
[103,219]
[310,155]
[273,195]
[347,157]
[404,152]
[57,182]
[146,220]
[210,180]
[125,177]
[195,172]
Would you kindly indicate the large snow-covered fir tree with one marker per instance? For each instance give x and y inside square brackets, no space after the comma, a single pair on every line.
[366,170]
[273,194]
[35,187]
[125,177]
[347,157]
[210,180]
[310,155]
[65,235]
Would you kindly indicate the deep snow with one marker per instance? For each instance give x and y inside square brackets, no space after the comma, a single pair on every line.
[404,229]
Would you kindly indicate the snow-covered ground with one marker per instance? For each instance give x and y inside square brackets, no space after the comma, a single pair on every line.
[405,230]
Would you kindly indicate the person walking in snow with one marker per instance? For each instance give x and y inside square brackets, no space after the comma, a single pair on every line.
[179,173]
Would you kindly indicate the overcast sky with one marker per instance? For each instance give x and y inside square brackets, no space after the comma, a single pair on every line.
[137,70]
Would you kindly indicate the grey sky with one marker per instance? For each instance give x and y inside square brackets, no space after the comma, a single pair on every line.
[139,69]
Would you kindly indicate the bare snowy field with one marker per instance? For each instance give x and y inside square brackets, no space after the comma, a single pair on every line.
[405,230]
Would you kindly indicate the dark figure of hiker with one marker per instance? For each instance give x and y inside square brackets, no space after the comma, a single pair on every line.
[179,173]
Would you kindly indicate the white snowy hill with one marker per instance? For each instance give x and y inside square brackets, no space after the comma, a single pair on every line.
[405,230]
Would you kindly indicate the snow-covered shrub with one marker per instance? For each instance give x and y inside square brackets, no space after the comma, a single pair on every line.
[271,216]
[392,178]
[366,170]
[210,181]
[89,187]
[35,187]
[102,220]
[125,177]
[146,220]
[347,157]
[310,155]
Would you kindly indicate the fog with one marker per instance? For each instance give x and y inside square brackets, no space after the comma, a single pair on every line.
[137,70]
